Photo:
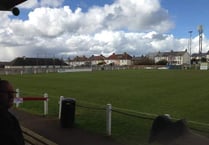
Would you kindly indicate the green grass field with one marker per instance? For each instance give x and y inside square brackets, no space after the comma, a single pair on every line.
[182,94]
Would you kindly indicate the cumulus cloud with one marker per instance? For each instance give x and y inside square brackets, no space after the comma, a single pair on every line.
[41,3]
[52,3]
[132,26]
[29,4]
[143,15]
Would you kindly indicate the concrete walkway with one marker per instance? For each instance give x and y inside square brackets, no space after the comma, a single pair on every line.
[50,129]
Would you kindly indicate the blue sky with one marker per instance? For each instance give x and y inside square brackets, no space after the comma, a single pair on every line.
[85,4]
[69,28]
[187,15]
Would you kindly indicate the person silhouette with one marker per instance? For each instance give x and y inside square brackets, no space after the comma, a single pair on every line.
[10,131]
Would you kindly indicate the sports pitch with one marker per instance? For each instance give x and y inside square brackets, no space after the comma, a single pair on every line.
[180,93]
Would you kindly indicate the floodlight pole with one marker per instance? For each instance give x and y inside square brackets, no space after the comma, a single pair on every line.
[200,30]
[190,47]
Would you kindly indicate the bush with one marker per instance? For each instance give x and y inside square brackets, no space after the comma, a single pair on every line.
[162,62]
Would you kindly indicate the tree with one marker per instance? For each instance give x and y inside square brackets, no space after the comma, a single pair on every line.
[162,62]
[203,59]
[143,60]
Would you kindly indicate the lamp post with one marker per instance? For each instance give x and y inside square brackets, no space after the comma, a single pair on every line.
[190,47]
[200,30]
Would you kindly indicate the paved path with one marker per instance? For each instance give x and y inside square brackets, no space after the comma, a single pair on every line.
[50,129]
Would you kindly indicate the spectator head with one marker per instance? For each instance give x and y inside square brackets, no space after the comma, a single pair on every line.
[7,94]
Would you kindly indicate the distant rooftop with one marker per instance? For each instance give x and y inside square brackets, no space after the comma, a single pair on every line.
[20,61]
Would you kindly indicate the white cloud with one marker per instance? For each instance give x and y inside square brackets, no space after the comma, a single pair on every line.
[41,3]
[29,4]
[135,15]
[52,3]
[132,26]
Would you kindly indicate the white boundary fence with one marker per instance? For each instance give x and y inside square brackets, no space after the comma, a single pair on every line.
[60,106]
[109,109]
[138,115]
[44,98]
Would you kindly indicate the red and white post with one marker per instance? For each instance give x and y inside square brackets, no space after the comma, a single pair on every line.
[18,100]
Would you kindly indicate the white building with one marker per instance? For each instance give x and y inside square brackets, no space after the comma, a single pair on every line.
[79,61]
[119,59]
[97,60]
[174,57]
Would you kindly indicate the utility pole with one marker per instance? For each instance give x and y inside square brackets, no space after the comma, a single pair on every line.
[190,42]
[200,30]
[190,47]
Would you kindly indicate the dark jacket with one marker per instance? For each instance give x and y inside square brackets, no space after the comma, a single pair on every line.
[10,131]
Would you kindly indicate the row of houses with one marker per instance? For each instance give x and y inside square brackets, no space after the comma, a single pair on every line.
[125,59]
[172,58]
[114,59]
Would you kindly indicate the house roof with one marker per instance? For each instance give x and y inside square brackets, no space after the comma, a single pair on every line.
[171,53]
[199,54]
[119,56]
[99,57]
[80,58]
[20,61]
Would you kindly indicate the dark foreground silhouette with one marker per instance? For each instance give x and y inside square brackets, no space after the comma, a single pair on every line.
[10,131]
[166,132]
